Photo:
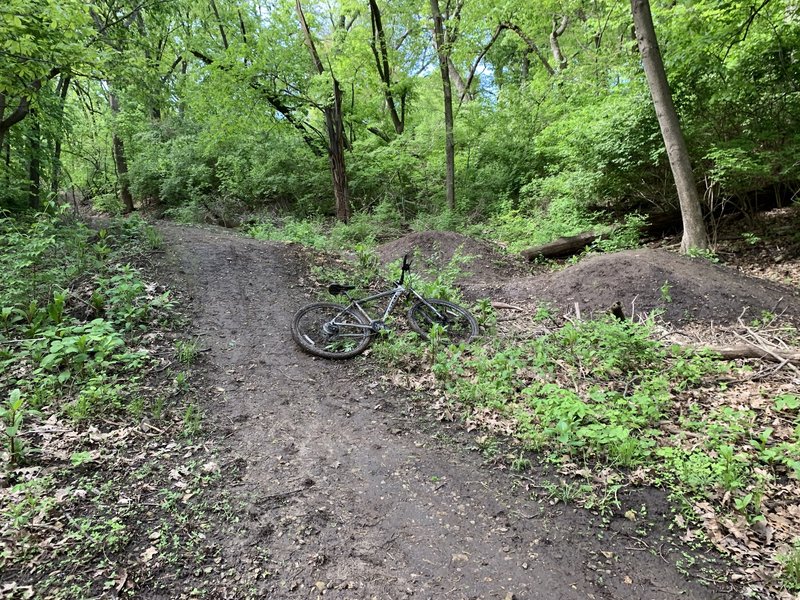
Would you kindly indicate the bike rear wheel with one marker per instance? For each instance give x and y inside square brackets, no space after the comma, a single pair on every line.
[459,325]
[331,331]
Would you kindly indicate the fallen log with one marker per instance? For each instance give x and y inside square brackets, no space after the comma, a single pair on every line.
[562,247]
[661,223]
[772,354]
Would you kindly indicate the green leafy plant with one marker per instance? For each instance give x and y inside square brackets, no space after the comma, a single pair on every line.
[666,294]
[790,562]
[80,458]
[751,238]
[628,235]
[12,416]
[787,402]
[192,421]
[485,314]
[703,253]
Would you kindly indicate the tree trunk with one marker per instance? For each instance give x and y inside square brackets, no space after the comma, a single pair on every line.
[524,66]
[34,175]
[380,51]
[334,124]
[120,161]
[62,90]
[565,246]
[2,118]
[694,232]
[458,82]
[336,156]
[555,46]
[444,68]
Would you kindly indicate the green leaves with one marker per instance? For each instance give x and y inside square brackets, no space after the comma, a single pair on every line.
[41,35]
[788,402]
[12,415]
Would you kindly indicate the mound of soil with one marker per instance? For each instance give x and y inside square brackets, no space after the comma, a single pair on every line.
[435,250]
[687,289]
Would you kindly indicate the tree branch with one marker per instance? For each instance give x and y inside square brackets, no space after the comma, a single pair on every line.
[277,103]
[555,47]
[486,49]
[219,24]
[531,44]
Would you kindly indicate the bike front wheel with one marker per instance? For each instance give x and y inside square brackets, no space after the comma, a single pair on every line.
[458,324]
[330,331]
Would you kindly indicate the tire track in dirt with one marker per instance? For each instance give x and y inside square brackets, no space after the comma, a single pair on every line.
[345,490]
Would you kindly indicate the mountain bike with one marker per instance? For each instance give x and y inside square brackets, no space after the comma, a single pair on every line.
[332,330]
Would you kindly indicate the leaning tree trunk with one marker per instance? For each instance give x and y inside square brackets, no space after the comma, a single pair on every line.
[334,124]
[381,52]
[118,149]
[694,232]
[444,67]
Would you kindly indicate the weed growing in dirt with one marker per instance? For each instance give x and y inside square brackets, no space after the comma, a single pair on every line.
[592,391]
[485,314]
[363,229]
[187,351]
[790,562]
[610,404]
[666,295]
[751,238]
[192,421]
[306,232]
[703,253]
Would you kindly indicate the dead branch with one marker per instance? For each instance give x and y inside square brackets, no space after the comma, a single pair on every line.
[507,306]
[749,350]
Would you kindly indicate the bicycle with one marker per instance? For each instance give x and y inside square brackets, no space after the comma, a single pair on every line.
[337,331]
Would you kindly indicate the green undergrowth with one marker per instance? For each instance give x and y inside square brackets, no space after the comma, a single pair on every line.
[512,230]
[103,491]
[68,339]
[610,406]
[363,229]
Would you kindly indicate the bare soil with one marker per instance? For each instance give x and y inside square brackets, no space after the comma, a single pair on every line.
[349,490]
[643,280]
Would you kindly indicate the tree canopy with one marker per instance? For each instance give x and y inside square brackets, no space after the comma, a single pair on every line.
[223,108]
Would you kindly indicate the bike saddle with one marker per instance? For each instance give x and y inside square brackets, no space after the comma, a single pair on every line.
[335,289]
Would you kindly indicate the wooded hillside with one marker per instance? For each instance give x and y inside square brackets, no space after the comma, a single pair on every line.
[533,119]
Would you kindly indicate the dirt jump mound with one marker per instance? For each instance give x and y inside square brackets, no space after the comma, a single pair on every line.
[643,280]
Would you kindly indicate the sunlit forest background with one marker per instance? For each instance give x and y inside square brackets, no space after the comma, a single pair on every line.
[218,110]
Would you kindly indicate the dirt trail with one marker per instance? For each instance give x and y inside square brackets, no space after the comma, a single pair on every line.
[347,491]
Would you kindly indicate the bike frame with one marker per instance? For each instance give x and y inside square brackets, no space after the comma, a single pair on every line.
[375,325]
[396,293]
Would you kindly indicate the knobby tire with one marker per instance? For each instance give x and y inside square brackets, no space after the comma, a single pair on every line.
[460,326]
[326,330]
